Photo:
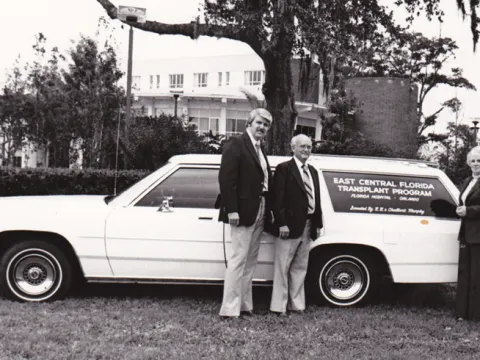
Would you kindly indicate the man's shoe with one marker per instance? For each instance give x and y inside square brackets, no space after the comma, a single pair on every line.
[278,313]
[246,313]
[296,311]
[228,318]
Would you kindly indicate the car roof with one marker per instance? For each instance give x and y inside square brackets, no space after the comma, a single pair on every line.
[330,162]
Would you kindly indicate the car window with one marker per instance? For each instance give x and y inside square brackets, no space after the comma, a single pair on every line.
[389,194]
[189,187]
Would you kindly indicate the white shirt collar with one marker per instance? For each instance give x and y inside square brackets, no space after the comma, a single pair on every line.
[299,163]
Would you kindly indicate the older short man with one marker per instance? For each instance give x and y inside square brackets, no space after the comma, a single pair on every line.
[245,180]
[298,216]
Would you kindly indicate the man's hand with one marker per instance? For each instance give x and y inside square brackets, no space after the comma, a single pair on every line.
[284,232]
[319,232]
[462,211]
[233,219]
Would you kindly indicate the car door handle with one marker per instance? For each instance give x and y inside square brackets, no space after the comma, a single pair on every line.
[205,218]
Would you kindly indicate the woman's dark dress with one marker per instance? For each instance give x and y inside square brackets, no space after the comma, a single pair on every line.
[468,284]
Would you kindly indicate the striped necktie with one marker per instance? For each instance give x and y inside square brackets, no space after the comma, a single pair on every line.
[308,188]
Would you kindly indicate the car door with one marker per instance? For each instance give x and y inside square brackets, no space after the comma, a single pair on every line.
[184,242]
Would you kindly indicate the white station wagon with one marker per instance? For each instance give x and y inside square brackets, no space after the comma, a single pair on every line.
[382,217]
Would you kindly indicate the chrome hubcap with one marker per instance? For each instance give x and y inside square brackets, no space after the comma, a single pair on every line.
[344,280]
[34,274]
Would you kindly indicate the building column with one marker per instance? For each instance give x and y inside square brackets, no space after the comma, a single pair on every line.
[222,123]
[318,129]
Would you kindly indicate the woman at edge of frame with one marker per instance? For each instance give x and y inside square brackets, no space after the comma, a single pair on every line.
[468,284]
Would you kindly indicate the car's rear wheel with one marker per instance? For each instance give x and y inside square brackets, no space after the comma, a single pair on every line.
[342,278]
[34,271]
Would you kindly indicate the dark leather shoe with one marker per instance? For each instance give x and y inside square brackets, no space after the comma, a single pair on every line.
[246,313]
[278,313]
[228,318]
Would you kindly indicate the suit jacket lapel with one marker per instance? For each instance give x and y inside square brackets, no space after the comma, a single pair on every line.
[474,188]
[249,145]
[316,184]
[296,174]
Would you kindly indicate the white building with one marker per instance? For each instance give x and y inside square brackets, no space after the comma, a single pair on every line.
[208,92]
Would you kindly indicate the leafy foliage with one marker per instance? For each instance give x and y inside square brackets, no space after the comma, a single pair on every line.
[278,30]
[153,140]
[60,181]
[14,106]
[61,99]
[415,57]
[450,151]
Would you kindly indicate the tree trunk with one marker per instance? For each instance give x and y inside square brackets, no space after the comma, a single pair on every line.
[278,91]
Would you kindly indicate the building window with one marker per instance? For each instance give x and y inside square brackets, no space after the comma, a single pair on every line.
[136,80]
[158,81]
[176,81]
[236,122]
[151,81]
[254,77]
[205,120]
[219,79]
[307,130]
[227,78]
[200,79]
[306,126]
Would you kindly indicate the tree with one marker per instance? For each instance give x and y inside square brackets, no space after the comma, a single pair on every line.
[93,97]
[153,140]
[277,30]
[74,100]
[15,104]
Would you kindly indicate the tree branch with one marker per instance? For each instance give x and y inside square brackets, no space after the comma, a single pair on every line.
[193,29]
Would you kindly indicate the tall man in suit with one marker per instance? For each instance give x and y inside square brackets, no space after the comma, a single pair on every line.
[245,180]
[298,216]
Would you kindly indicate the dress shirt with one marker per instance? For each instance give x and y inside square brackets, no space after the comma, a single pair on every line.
[261,158]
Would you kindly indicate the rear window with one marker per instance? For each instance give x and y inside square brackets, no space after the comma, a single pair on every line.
[389,194]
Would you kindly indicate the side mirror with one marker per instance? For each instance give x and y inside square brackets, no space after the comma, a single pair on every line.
[167,204]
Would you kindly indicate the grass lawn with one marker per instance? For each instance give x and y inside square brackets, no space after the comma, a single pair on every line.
[168,322]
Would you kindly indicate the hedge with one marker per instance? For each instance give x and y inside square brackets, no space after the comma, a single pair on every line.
[61,181]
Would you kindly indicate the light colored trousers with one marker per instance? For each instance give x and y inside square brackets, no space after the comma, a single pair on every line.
[290,269]
[237,288]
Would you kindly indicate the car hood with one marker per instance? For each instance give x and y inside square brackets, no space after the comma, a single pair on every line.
[50,202]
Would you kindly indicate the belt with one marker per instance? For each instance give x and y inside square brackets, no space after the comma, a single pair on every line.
[310,216]
[265,193]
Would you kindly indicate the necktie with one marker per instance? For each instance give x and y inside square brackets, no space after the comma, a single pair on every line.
[308,188]
[263,163]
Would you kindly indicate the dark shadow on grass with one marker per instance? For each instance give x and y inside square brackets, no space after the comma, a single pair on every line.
[417,295]
[204,292]
[433,296]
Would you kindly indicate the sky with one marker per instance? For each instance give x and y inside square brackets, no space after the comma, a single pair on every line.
[62,21]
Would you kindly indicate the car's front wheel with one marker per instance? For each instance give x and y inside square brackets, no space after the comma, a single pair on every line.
[34,271]
[342,278]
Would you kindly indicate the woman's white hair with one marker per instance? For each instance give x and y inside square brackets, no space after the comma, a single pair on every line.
[473,151]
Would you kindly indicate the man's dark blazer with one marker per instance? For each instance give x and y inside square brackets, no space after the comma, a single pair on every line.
[241,180]
[290,201]
[470,227]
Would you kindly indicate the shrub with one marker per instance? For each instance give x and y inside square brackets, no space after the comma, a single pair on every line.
[60,181]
